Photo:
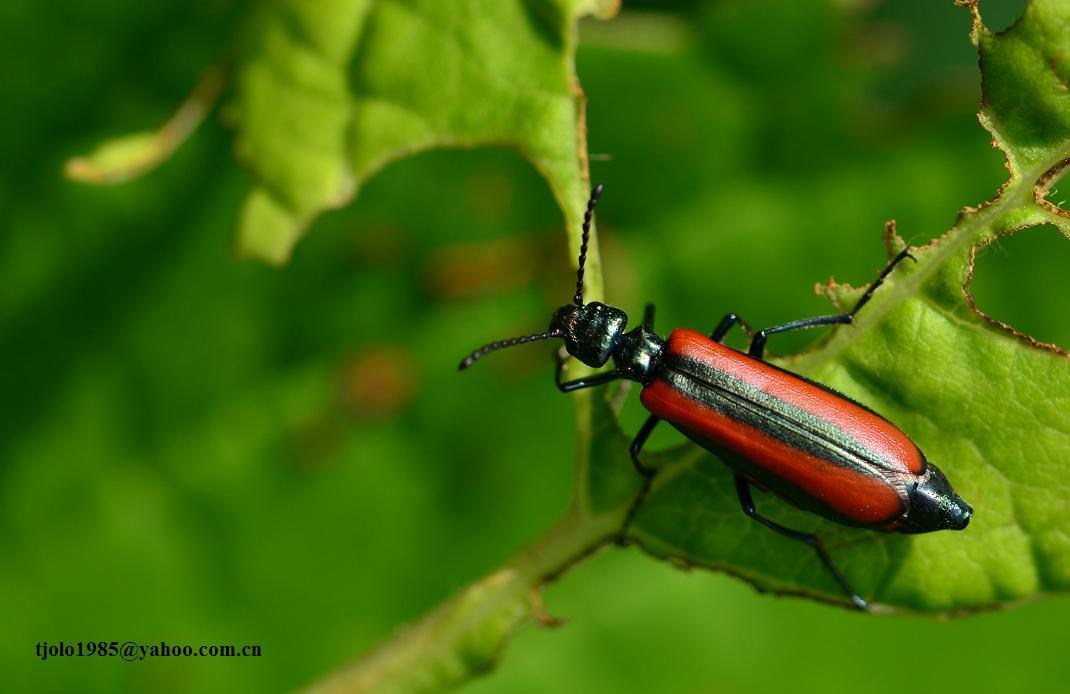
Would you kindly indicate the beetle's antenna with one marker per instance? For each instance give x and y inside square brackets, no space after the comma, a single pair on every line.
[595,194]
[501,344]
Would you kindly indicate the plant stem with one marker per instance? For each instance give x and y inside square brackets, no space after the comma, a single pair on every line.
[465,635]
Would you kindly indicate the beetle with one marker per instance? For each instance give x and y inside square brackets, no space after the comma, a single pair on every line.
[806,443]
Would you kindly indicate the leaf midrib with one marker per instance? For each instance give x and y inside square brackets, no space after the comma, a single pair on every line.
[971,229]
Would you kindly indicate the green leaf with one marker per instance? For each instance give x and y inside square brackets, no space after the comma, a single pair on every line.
[126,157]
[986,404]
[331,92]
[464,637]
[328,93]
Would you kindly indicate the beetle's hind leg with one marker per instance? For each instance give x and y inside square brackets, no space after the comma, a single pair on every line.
[745,500]
[757,345]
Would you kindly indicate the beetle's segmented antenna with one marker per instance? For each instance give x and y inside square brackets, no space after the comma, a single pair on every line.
[595,194]
[501,344]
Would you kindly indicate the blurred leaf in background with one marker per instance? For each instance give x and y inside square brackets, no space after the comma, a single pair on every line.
[190,449]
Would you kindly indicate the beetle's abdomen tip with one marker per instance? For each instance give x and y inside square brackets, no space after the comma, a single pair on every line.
[934,505]
[961,514]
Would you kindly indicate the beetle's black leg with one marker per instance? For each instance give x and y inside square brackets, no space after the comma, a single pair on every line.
[757,345]
[652,421]
[568,386]
[745,500]
[580,383]
[726,324]
[637,445]
[645,472]
[648,316]
[903,255]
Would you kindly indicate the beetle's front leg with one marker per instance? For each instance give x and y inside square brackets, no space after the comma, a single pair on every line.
[579,383]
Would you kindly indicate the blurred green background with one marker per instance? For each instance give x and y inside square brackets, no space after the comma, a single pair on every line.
[197,449]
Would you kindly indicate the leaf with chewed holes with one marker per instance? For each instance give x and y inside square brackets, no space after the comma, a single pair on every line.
[332,92]
[987,404]
[328,93]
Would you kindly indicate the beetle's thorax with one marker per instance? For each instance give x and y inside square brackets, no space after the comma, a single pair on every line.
[595,332]
[638,354]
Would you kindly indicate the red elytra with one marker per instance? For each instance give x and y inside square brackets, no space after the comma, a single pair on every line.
[806,480]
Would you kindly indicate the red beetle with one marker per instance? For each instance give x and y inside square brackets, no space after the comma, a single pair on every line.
[808,444]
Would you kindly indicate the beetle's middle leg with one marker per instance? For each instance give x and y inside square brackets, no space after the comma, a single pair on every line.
[651,421]
[726,324]
[638,442]
[745,500]
[647,473]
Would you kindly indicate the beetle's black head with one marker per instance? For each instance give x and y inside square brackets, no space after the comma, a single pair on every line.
[934,505]
[591,331]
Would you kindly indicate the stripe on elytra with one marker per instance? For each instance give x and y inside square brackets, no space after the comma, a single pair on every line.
[761,410]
